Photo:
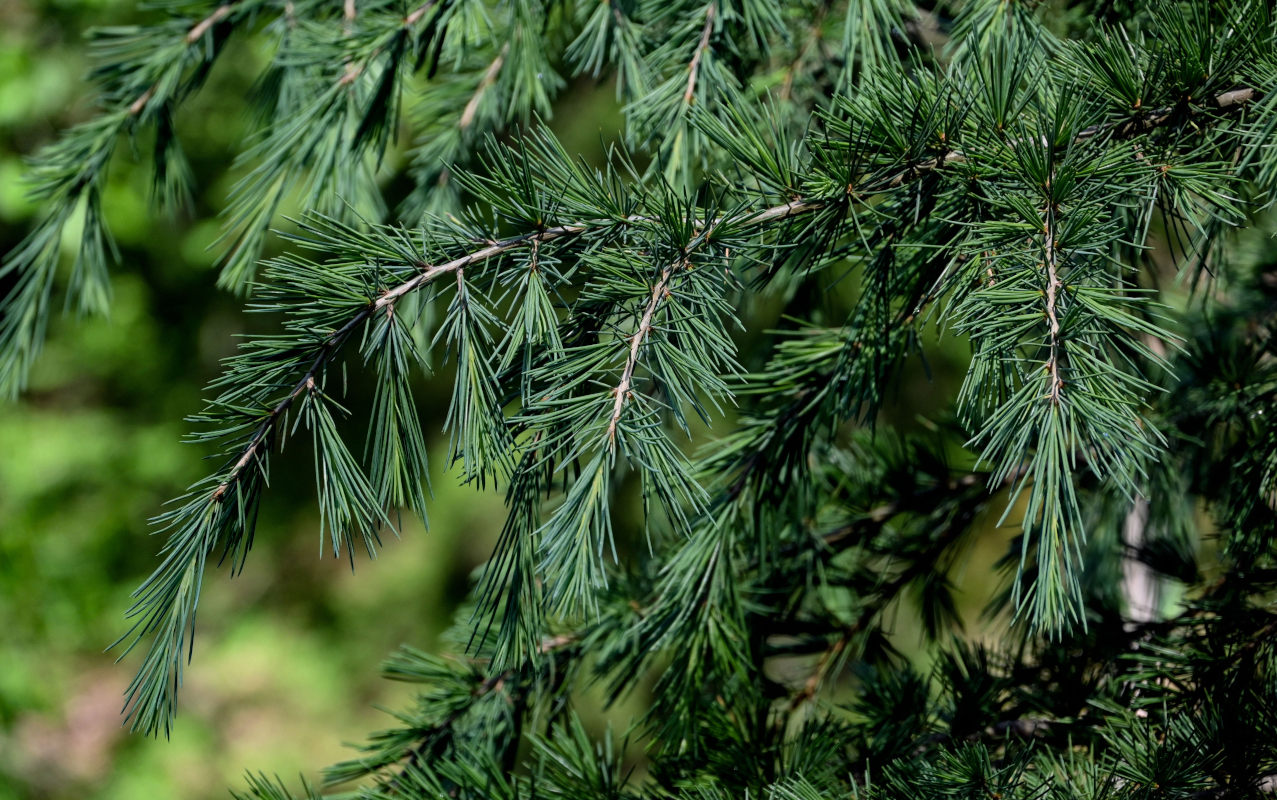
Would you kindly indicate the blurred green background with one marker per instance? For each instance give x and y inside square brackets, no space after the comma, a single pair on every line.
[285,668]
[286,659]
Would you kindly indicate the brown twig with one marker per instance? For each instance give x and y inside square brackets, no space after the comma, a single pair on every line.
[883,598]
[355,69]
[415,16]
[855,531]
[137,105]
[622,391]
[193,35]
[1053,286]
[814,681]
[887,592]
[694,68]
[489,78]
[202,27]
[352,73]
[661,291]
[1231,100]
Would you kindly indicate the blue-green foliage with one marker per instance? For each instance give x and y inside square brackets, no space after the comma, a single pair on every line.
[879,174]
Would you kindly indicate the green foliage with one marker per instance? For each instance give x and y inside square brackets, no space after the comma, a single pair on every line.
[766,249]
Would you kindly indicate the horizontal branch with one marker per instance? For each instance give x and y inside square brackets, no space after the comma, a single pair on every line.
[1232,100]
[427,275]
[333,342]
[886,592]
[855,531]
[883,597]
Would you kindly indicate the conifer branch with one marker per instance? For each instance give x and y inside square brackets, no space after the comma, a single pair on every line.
[263,432]
[418,13]
[495,682]
[385,303]
[1230,101]
[883,596]
[430,272]
[203,26]
[70,175]
[485,83]
[1053,286]
[855,532]
[622,391]
[694,68]
[193,36]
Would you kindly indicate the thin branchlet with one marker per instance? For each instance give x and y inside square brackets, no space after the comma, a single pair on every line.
[702,46]
[198,30]
[193,37]
[622,391]
[1054,285]
[418,14]
[485,83]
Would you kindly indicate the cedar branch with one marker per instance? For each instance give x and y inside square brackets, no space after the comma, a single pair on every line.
[415,16]
[193,35]
[493,683]
[622,391]
[1053,286]
[1230,101]
[333,342]
[694,68]
[489,78]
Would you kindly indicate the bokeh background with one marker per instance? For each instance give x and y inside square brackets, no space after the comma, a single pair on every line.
[286,660]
